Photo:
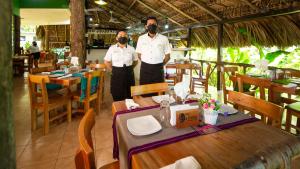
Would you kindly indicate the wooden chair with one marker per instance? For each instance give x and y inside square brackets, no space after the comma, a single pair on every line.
[159,88]
[89,97]
[261,83]
[293,109]
[231,71]
[271,113]
[85,156]
[201,80]
[182,69]
[39,100]
[41,69]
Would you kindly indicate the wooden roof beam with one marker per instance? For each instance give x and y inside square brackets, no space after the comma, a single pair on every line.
[180,11]
[148,7]
[131,5]
[207,9]
[251,5]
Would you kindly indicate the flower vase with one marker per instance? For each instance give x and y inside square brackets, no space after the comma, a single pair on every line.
[210,116]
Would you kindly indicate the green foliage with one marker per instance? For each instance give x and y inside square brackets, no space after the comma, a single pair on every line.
[269,56]
[27,45]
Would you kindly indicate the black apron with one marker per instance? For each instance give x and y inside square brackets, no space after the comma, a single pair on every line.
[151,73]
[122,79]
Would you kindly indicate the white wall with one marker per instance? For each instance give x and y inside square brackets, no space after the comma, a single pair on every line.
[96,54]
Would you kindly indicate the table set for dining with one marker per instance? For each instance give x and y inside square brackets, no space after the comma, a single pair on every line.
[143,140]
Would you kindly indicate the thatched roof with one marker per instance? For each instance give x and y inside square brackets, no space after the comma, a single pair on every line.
[280,28]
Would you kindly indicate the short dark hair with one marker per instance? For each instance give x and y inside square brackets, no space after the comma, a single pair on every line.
[120,31]
[151,17]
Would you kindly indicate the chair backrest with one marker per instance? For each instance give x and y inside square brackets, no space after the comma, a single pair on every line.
[37,88]
[85,157]
[41,69]
[159,88]
[100,66]
[207,72]
[95,80]
[271,112]
[184,69]
[231,71]
[261,83]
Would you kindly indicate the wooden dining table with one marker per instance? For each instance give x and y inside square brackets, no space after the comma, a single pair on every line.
[223,149]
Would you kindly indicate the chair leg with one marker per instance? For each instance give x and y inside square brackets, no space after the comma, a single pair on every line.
[98,105]
[288,121]
[86,106]
[46,121]
[33,119]
[206,87]
[69,110]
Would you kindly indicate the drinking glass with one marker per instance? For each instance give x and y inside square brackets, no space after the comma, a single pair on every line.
[165,113]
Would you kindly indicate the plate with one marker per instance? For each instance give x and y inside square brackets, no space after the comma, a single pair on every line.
[225,108]
[144,125]
[160,98]
[56,75]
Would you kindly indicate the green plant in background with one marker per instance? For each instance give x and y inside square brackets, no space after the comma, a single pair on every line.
[271,56]
[27,45]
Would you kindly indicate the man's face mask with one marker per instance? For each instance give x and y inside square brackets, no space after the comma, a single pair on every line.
[152,28]
[122,40]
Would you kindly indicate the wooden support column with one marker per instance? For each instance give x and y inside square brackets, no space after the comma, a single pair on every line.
[17,27]
[219,55]
[7,132]
[46,43]
[78,29]
[189,42]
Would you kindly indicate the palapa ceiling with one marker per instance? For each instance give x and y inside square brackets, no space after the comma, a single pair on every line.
[204,15]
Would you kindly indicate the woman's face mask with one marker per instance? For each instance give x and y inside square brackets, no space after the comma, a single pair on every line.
[122,40]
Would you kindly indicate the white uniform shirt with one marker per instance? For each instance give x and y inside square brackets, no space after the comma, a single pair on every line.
[153,50]
[120,56]
[34,49]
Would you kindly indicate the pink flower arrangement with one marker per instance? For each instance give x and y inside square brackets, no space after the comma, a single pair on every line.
[208,103]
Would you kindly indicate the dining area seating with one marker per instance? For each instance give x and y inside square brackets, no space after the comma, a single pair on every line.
[236,132]
[52,93]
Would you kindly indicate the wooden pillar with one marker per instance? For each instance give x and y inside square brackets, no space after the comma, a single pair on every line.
[219,55]
[46,40]
[78,29]
[189,42]
[7,141]
[17,33]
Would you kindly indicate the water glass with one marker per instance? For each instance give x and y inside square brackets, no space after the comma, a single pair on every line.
[165,114]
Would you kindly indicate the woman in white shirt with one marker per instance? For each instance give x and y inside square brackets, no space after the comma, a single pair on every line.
[121,59]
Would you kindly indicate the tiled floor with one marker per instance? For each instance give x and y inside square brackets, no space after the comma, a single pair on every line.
[56,150]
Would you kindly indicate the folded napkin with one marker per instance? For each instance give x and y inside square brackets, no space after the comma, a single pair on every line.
[290,85]
[68,75]
[185,163]
[175,108]
[130,104]
[46,73]
[166,97]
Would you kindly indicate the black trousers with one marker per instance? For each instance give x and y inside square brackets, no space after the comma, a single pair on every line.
[151,73]
[122,79]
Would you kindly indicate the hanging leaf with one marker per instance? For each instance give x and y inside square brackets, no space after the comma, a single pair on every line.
[273,55]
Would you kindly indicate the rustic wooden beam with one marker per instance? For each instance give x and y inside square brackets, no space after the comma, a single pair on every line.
[150,8]
[78,30]
[219,54]
[131,5]
[280,12]
[124,8]
[7,131]
[180,11]
[207,9]
[251,5]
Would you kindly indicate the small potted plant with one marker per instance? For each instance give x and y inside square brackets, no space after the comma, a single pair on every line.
[210,108]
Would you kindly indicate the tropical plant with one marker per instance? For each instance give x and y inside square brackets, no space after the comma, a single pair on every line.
[271,56]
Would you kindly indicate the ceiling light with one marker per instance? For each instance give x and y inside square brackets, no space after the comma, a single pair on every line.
[91,19]
[128,27]
[166,26]
[100,2]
